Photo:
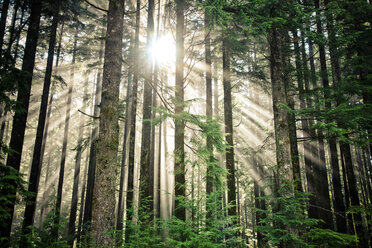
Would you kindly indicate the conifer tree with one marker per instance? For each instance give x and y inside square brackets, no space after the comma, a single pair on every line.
[147,171]
[133,118]
[20,116]
[103,204]
[179,150]
[36,163]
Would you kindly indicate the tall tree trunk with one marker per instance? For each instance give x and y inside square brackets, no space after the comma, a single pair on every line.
[227,101]
[4,121]
[92,150]
[179,150]
[153,147]
[75,186]
[15,56]
[147,172]
[65,139]
[209,111]
[103,205]
[4,15]
[12,27]
[60,43]
[338,204]
[238,207]
[158,188]
[259,203]
[124,159]
[44,197]
[281,127]
[36,163]
[320,171]
[258,215]
[82,200]
[20,117]
[168,206]
[215,91]
[46,130]
[347,194]
[295,162]
[309,151]
[367,168]
[156,147]
[353,193]
[362,176]
[132,134]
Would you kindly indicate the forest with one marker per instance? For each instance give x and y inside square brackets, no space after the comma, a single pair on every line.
[185,124]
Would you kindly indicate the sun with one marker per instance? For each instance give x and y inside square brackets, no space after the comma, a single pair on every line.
[163,50]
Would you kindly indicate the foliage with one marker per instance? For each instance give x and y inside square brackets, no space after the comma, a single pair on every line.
[244,24]
[143,230]
[10,78]
[201,231]
[285,217]
[325,238]
[44,237]
[12,181]
[287,222]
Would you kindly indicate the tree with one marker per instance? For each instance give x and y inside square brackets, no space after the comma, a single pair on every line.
[179,150]
[4,15]
[147,169]
[103,207]
[23,98]
[87,218]
[321,188]
[36,162]
[57,209]
[286,67]
[230,164]
[337,187]
[133,118]
[208,86]
[282,140]
[79,150]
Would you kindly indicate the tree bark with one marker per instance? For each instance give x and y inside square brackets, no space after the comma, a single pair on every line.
[82,200]
[147,171]
[65,140]
[36,162]
[4,15]
[227,101]
[338,203]
[124,160]
[12,28]
[46,130]
[283,169]
[179,150]
[132,134]
[353,193]
[290,94]
[75,186]
[92,151]
[20,117]
[320,171]
[103,204]
[309,151]
[44,197]
[209,110]
[19,33]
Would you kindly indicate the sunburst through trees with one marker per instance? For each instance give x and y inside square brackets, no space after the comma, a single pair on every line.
[183,123]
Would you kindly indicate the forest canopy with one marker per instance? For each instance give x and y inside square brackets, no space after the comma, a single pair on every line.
[182,123]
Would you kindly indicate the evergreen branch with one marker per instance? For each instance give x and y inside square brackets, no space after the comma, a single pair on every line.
[91,116]
[95,6]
